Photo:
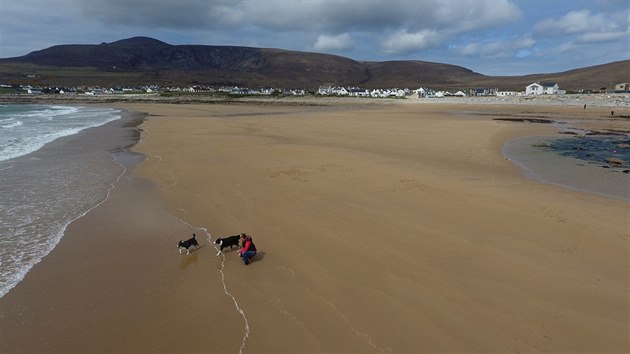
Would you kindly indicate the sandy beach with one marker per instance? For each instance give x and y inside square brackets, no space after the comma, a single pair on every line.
[381,228]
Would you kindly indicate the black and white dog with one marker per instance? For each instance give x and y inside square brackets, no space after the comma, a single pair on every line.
[226,242]
[188,244]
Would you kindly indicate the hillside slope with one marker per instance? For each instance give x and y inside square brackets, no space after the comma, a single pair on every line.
[143,60]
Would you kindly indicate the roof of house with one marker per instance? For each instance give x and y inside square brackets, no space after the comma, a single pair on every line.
[544,84]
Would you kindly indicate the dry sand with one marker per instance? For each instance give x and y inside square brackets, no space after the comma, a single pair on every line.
[395,228]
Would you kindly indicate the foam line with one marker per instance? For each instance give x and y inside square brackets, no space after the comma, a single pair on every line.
[62,231]
[365,336]
[225,289]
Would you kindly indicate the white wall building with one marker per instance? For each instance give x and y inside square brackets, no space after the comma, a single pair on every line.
[544,88]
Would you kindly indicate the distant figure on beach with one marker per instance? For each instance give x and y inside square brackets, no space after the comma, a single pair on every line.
[584,106]
[249,249]
[612,113]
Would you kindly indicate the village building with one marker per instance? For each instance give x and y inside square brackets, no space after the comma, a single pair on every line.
[358,92]
[483,91]
[34,91]
[340,91]
[507,93]
[543,88]
[623,87]
[324,90]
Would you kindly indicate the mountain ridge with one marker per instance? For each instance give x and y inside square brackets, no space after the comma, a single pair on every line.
[142,60]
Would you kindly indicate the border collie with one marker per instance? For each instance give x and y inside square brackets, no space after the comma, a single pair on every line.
[188,244]
[226,242]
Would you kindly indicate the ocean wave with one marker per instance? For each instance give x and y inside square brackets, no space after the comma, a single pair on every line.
[48,112]
[39,125]
[16,123]
[41,197]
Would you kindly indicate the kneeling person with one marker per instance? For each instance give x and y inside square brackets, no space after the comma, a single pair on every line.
[249,249]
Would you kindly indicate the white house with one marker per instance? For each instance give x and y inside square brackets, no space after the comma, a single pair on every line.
[422,92]
[507,93]
[484,91]
[358,92]
[534,89]
[267,91]
[340,91]
[543,88]
[324,90]
[622,87]
[378,93]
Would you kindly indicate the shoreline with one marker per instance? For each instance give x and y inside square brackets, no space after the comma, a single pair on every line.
[599,100]
[570,173]
[96,278]
[380,228]
[63,166]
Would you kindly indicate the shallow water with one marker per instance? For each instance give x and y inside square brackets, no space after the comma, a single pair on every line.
[25,128]
[595,149]
[45,188]
[575,163]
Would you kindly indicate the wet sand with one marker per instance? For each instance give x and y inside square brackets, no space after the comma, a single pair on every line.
[397,228]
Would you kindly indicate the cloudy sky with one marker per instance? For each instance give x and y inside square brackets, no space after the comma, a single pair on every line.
[492,37]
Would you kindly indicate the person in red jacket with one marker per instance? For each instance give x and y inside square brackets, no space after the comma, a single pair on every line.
[249,249]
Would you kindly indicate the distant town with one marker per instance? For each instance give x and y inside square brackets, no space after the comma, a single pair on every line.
[535,88]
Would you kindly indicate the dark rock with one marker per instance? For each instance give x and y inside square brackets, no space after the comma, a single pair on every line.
[614,161]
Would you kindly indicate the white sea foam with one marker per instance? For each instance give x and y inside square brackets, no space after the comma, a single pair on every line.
[27,128]
[10,122]
[15,123]
[17,265]
[225,289]
[41,196]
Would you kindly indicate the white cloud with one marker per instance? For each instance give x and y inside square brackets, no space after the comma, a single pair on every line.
[460,16]
[576,22]
[499,48]
[562,48]
[334,17]
[464,32]
[333,43]
[602,37]
[586,33]
[403,42]
[411,25]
